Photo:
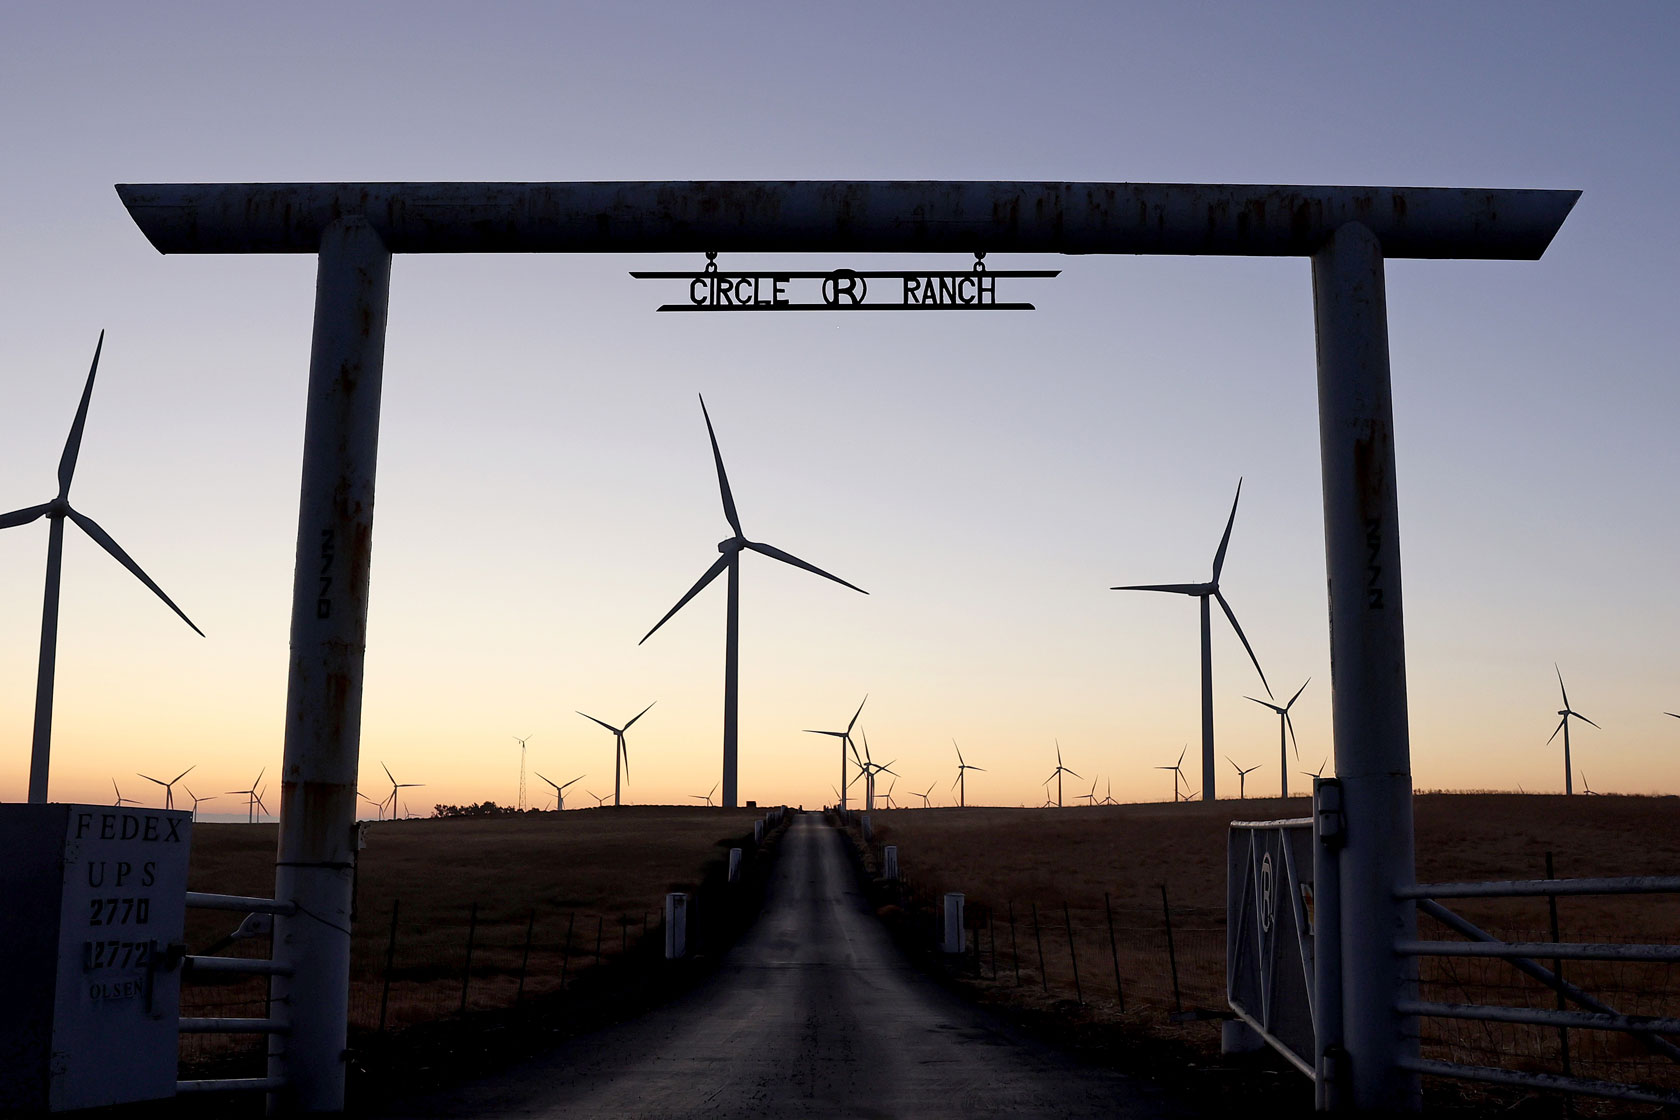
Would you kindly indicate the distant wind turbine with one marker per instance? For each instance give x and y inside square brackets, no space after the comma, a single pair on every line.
[1319,773]
[845,738]
[1204,592]
[926,802]
[524,803]
[706,797]
[1242,777]
[196,799]
[560,790]
[56,511]
[396,785]
[867,769]
[1563,726]
[169,786]
[730,561]
[1056,774]
[378,806]
[1585,788]
[1089,798]
[251,798]
[1178,771]
[121,800]
[961,783]
[600,799]
[1286,732]
[621,749]
[1109,798]
[892,785]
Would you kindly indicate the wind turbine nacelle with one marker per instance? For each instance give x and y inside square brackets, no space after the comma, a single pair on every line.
[733,544]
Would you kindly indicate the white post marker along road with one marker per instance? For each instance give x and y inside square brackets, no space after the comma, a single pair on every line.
[355,227]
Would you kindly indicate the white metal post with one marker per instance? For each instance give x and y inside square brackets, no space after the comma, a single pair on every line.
[324,692]
[676,926]
[954,941]
[1329,832]
[1367,666]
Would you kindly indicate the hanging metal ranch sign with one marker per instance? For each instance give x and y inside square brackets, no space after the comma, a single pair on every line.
[845,289]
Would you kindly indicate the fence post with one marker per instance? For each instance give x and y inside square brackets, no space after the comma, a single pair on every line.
[1557,969]
[1014,949]
[1078,991]
[1172,954]
[676,926]
[734,865]
[525,959]
[955,941]
[566,949]
[466,973]
[390,955]
[1043,978]
[889,862]
[1119,994]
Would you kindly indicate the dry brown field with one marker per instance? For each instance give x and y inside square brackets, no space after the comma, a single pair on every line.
[1025,860]
[601,874]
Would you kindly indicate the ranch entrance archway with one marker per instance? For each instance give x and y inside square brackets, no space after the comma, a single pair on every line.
[354,228]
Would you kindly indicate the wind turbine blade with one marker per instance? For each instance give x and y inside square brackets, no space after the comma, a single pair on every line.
[592,719]
[1219,557]
[723,478]
[92,529]
[1289,725]
[1181,755]
[382,766]
[1075,773]
[788,558]
[1297,695]
[1585,720]
[23,516]
[185,772]
[1171,588]
[550,782]
[858,713]
[836,734]
[639,715]
[982,769]
[575,780]
[712,572]
[1273,707]
[1671,714]
[624,749]
[1234,766]
[1556,729]
[137,774]
[73,445]
[1226,607]
[1561,689]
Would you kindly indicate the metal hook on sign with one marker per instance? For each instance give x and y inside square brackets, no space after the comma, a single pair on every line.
[711,261]
[979,260]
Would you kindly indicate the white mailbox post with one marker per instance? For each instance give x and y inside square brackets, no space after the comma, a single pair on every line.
[92,928]
[676,926]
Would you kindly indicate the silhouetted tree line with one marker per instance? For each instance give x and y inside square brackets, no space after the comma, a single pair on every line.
[482,809]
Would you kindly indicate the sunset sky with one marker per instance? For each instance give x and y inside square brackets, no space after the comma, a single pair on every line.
[545,489]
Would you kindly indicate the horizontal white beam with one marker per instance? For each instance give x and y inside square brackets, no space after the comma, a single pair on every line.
[849,216]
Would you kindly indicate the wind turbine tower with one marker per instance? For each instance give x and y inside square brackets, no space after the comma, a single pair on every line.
[56,512]
[1563,726]
[1205,592]
[730,561]
[1242,777]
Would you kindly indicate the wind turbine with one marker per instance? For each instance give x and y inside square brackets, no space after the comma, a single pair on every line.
[56,511]
[962,770]
[1286,726]
[121,800]
[560,791]
[845,738]
[1109,798]
[1242,777]
[1057,773]
[196,799]
[378,806]
[926,803]
[867,769]
[892,785]
[251,798]
[600,799]
[1178,772]
[621,750]
[706,797]
[1585,788]
[169,786]
[1204,592]
[1563,726]
[395,786]
[1090,798]
[730,560]
[1319,773]
[524,803]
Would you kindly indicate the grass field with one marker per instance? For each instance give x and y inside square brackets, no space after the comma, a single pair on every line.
[1025,860]
[600,875]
